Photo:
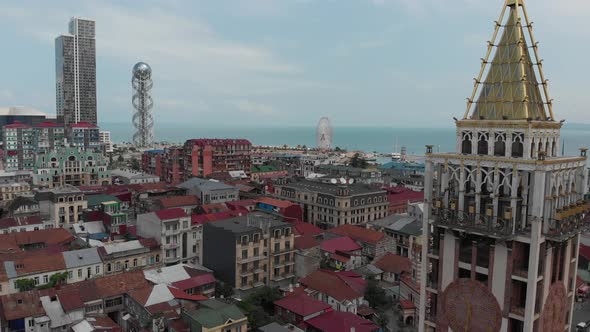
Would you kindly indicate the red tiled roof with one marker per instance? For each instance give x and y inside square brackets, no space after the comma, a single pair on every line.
[55,236]
[70,299]
[339,258]
[35,263]
[82,125]
[47,124]
[336,321]
[402,194]
[104,324]
[196,281]
[164,308]
[17,124]
[302,304]
[199,219]
[21,305]
[118,284]
[214,208]
[169,214]
[149,243]
[407,304]
[304,228]
[244,203]
[358,233]
[180,294]
[393,263]
[178,201]
[141,295]
[342,244]
[339,285]
[584,252]
[275,202]
[306,242]
[19,221]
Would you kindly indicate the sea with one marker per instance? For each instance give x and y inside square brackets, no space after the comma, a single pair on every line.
[367,139]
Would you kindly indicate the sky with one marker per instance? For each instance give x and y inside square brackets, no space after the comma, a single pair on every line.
[394,63]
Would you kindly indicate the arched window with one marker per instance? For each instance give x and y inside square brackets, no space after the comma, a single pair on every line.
[517,146]
[499,146]
[553,149]
[466,145]
[157,258]
[482,145]
[109,268]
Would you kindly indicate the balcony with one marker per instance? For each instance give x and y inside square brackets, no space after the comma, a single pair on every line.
[500,228]
[170,246]
[283,276]
[250,259]
[568,222]
[283,251]
[283,263]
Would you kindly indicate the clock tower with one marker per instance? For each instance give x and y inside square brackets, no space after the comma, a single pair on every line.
[503,214]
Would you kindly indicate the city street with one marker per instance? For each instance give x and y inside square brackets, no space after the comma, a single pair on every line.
[581,313]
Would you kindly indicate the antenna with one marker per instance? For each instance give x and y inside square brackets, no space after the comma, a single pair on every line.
[343,180]
[333,181]
[350,181]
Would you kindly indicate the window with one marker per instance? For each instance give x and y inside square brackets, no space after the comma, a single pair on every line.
[79,273]
[244,281]
[287,245]
[70,274]
[151,260]
[118,266]
[287,231]
[97,269]
[194,235]
[135,262]
[109,267]
[31,322]
[45,279]
[244,254]
[277,233]
[256,252]
[287,269]
[277,271]
[157,258]
[36,280]
[277,247]
[185,224]
[244,239]
[89,272]
[126,264]
[194,248]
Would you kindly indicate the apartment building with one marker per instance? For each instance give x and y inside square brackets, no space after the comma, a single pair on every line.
[250,251]
[171,229]
[207,156]
[210,191]
[19,154]
[64,205]
[120,257]
[328,205]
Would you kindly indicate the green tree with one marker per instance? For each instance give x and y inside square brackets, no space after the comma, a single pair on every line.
[223,290]
[358,161]
[265,298]
[24,285]
[257,317]
[135,165]
[375,295]
[121,159]
[381,320]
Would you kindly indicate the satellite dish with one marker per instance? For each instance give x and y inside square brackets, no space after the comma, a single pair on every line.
[351,181]
[334,181]
[343,180]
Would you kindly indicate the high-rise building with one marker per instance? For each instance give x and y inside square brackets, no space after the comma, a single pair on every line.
[75,73]
[84,135]
[104,138]
[503,220]
[19,153]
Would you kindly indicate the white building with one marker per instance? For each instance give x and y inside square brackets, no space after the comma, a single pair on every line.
[172,229]
[128,176]
[104,138]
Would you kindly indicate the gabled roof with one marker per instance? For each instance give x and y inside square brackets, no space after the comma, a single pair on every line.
[341,244]
[282,204]
[52,236]
[171,274]
[168,214]
[511,88]
[305,228]
[214,313]
[339,285]
[302,304]
[152,294]
[20,221]
[357,233]
[82,257]
[33,263]
[306,242]
[337,321]
[21,305]
[393,263]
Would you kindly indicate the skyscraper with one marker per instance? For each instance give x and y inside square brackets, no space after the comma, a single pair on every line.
[504,216]
[75,73]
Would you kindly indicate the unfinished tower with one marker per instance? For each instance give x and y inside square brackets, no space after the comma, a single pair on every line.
[503,221]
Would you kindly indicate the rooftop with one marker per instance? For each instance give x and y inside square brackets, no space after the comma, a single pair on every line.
[82,257]
[174,273]
[96,200]
[337,321]
[20,221]
[358,233]
[245,224]
[393,263]
[214,313]
[302,304]
[131,174]
[204,184]
[122,247]
[276,202]
[218,142]
[339,285]
[20,111]
[83,125]
[332,189]
[340,244]
[178,201]
[169,214]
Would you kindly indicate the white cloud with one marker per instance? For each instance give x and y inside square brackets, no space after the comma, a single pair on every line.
[255,108]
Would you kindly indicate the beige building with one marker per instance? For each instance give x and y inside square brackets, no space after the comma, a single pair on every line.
[330,205]
[250,251]
[132,255]
[63,205]
[10,191]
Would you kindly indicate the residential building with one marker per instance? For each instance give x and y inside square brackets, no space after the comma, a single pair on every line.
[56,239]
[151,162]
[503,221]
[114,218]
[193,279]
[84,135]
[172,164]
[104,138]
[121,257]
[404,174]
[33,266]
[308,256]
[297,308]
[128,176]
[172,229]
[374,243]
[400,197]
[393,267]
[83,264]
[359,175]
[63,205]
[187,203]
[260,173]
[405,230]
[75,73]
[209,191]
[23,224]
[341,253]
[71,166]
[206,156]
[48,136]
[344,291]
[291,212]
[146,305]
[250,251]
[15,176]
[19,151]
[10,191]
[329,205]
[215,316]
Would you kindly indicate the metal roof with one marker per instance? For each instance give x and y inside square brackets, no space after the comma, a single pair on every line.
[82,257]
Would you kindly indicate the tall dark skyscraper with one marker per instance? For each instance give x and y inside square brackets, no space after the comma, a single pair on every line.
[75,73]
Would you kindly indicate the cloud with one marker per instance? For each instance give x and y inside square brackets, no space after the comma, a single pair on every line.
[251,107]
[6,95]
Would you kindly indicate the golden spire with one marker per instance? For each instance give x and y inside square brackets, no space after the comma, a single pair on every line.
[511,90]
